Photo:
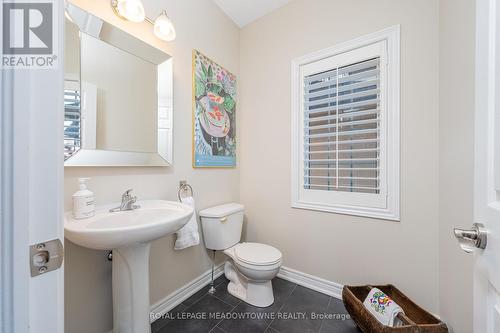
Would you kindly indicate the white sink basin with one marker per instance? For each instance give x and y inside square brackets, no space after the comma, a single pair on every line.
[128,234]
[107,231]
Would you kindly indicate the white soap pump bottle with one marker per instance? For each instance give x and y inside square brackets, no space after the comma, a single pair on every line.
[83,201]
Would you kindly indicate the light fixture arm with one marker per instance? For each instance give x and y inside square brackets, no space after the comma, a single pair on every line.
[147,19]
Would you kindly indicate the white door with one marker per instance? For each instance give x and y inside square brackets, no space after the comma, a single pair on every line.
[487,170]
[31,179]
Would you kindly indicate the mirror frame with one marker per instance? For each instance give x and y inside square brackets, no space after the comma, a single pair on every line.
[93,26]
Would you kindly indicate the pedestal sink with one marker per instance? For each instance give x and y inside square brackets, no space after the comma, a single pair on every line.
[129,235]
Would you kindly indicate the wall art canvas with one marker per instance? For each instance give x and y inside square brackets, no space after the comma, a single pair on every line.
[214,114]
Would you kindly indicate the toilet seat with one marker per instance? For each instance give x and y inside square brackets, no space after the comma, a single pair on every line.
[256,254]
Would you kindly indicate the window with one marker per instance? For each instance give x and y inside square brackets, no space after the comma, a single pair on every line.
[345,152]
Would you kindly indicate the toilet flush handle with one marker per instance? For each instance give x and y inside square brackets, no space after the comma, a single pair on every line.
[224,219]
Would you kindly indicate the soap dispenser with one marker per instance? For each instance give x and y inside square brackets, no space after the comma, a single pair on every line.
[83,201]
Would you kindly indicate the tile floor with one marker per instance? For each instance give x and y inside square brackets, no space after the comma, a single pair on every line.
[295,309]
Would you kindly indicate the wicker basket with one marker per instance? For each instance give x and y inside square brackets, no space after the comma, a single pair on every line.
[415,319]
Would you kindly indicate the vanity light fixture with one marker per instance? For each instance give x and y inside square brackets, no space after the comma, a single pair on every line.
[130,10]
[133,10]
[163,27]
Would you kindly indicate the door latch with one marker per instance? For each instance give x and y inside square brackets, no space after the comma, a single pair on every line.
[46,257]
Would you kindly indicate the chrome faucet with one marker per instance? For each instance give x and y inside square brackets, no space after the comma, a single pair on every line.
[128,202]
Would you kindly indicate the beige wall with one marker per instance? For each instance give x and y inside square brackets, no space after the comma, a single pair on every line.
[342,248]
[88,274]
[71,51]
[436,177]
[456,153]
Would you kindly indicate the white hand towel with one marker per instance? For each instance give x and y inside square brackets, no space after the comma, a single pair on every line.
[188,235]
[383,308]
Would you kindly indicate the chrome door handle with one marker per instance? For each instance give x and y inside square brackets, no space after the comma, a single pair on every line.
[471,239]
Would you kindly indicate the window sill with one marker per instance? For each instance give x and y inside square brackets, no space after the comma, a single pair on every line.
[375,213]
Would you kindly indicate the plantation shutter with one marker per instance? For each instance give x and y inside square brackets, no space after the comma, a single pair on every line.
[72,122]
[342,129]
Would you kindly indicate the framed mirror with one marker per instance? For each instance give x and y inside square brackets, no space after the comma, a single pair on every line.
[118,96]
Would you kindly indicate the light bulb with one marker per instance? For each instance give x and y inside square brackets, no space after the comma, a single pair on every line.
[131,10]
[164,29]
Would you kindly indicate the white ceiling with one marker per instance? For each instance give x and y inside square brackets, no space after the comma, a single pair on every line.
[243,12]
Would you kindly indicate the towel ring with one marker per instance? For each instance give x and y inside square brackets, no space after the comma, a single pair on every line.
[184,187]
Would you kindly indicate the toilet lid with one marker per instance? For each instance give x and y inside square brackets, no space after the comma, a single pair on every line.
[257,254]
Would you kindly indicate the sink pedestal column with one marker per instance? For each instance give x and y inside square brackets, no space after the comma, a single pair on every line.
[131,289]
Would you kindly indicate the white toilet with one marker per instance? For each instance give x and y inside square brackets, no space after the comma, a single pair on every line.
[252,266]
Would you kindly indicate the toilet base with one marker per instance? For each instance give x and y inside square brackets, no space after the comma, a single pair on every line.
[256,293]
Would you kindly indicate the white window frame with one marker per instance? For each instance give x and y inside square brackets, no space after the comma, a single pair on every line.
[385,205]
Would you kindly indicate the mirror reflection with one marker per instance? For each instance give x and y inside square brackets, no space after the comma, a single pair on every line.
[117,95]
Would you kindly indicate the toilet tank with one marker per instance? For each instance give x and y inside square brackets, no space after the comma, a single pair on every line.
[222,225]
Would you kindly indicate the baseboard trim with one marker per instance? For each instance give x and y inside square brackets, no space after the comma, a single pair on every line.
[170,301]
[303,279]
[312,282]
